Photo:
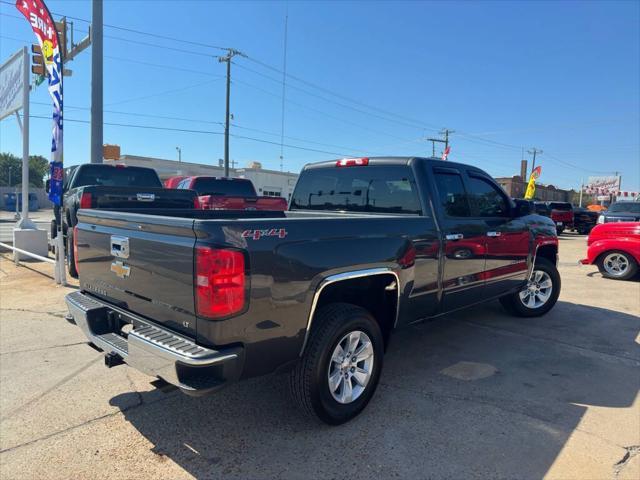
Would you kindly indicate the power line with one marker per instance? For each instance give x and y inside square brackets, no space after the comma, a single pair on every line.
[185,130]
[307,92]
[321,112]
[166,92]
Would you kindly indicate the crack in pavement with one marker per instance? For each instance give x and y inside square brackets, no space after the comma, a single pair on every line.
[634,362]
[43,348]
[90,421]
[630,452]
[66,379]
[57,313]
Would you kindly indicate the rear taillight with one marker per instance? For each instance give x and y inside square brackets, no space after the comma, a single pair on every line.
[196,203]
[352,162]
[75,247]
[85,200]
[219,282]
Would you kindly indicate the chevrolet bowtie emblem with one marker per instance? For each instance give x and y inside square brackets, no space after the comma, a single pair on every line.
[120,269]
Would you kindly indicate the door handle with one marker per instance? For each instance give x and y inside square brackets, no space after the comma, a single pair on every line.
[454,236]
[494,234]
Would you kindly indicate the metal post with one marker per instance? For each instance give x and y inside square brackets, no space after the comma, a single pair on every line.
[96,82]
[25,136]
[581,189]
[226,122]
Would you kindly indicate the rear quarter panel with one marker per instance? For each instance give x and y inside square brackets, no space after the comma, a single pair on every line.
[286,264]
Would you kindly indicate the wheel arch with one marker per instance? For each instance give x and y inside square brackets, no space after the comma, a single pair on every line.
[382,300]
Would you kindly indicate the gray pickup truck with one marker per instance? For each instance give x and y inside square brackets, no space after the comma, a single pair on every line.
[204,298]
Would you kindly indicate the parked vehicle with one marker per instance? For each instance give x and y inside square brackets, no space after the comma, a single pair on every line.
[541,208]
[562,215]
[584,220]
[101,186]
[621,212]
[172,182]
[615,249]
[220,193]
[205,298]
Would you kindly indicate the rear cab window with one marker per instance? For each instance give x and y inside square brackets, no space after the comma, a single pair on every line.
[111,176]
[373,189]
[224,187]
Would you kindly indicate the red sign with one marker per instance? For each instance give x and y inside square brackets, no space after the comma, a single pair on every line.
[446,152]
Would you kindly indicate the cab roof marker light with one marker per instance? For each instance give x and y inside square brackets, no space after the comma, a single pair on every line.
[352,162]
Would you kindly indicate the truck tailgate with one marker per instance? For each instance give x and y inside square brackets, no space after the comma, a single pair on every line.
[143,263]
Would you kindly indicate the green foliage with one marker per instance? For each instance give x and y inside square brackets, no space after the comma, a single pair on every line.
[11,170]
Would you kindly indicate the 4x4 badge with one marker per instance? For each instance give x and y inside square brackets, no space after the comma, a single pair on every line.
[120,269]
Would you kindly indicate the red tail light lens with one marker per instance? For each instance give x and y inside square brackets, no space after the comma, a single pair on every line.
[196,203]
[85,200]
[352,162]
[220,282]
[75,247]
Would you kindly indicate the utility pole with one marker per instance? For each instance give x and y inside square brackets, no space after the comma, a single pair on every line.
[179,150]
[227,58]
[534,151]
[433,141]
[97,117]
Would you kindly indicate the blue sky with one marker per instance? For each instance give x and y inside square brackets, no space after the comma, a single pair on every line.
[563,77]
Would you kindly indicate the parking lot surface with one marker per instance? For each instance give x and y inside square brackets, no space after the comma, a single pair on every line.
[478,394]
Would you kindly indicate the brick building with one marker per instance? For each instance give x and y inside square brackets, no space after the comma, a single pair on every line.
[516,188]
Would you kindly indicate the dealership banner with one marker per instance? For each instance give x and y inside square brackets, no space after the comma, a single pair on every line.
[12,84]
[531,187]
[603,185]
[39,17]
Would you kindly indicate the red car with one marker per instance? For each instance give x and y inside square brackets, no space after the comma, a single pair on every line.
[615,249]
[221,193]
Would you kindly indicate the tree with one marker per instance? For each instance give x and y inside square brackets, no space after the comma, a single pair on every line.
[11,170]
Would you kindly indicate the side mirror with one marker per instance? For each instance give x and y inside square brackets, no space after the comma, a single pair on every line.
[522,208]
[47,185]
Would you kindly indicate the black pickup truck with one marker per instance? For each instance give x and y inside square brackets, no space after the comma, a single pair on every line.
[204,298]
[102,186]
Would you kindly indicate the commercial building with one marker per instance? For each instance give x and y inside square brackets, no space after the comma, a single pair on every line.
[516,188]
[267,182]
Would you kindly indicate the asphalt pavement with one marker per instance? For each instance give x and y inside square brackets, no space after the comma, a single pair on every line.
[478,394]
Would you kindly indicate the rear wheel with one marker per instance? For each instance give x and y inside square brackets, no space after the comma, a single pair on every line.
[71,260]
[339,371]
[540,293]
[617,265]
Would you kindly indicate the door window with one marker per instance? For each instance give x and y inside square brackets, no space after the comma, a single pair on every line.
[452,195]
[487,199]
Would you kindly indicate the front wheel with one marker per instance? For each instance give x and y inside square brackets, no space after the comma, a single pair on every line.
[339,371]
[540,293]
[617,265]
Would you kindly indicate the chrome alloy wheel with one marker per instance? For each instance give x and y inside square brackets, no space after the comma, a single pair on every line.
[538,290]
[350,367]
[616,264]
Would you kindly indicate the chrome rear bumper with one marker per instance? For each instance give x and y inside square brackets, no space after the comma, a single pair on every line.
[154,350]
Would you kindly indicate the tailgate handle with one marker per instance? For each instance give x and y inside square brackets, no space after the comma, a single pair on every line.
[145,197]
[119,246]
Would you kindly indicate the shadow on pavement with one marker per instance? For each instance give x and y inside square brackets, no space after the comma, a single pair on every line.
[422,422]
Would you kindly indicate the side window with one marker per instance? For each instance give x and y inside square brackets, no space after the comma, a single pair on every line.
[452,195]
[183,183]
[487,199]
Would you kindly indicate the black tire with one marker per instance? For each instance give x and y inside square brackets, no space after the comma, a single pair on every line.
[309,381]
[559,230]
[71,261]
[630,272]
[53,229]
[515,305]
